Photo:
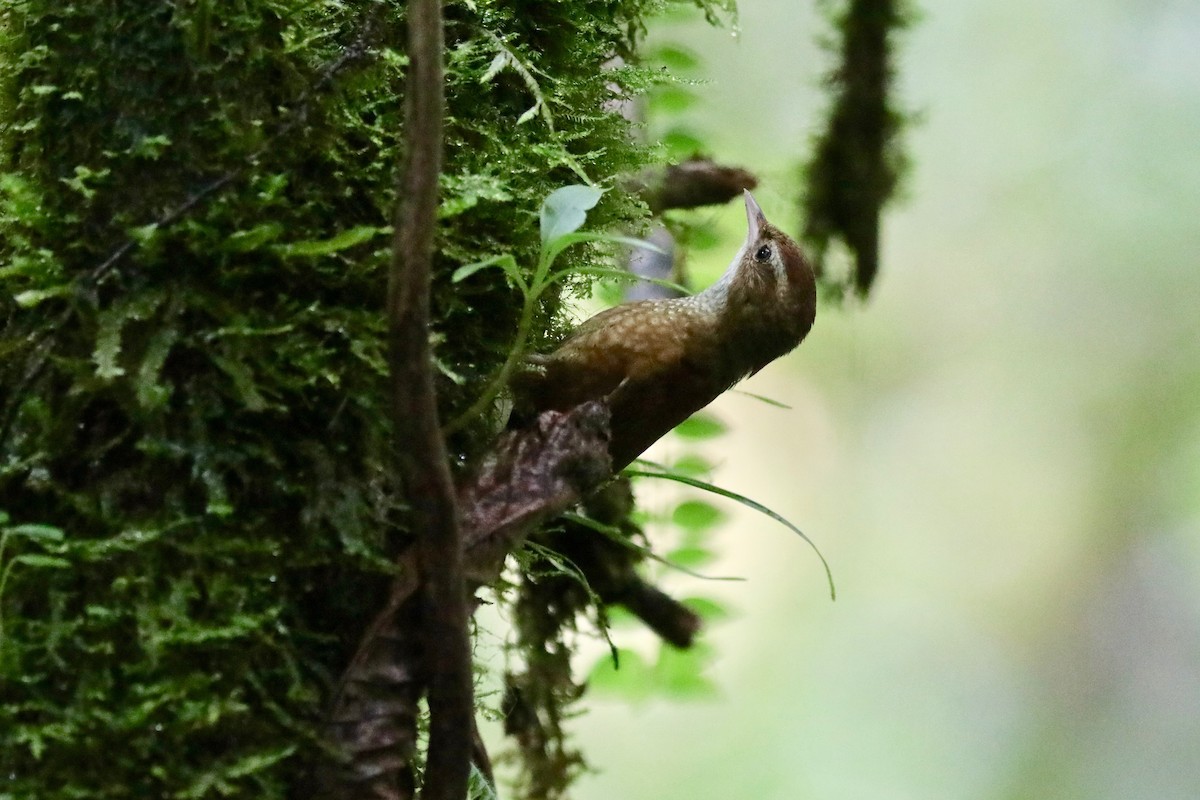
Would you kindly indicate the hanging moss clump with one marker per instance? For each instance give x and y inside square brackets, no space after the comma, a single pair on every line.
[858,158]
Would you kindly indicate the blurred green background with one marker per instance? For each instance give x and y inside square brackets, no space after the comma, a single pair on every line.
[999,453]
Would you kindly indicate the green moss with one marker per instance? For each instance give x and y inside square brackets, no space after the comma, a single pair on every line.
[194,393]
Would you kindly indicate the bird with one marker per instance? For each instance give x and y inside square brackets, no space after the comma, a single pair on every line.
[657,362]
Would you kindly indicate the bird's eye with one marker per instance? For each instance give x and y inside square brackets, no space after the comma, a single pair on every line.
[763,253]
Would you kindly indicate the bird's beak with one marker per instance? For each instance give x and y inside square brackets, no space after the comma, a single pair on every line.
[755,218]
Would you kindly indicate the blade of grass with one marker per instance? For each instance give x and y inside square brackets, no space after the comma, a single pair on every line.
[763,399]
[746,501]
[624,275]
[617,536]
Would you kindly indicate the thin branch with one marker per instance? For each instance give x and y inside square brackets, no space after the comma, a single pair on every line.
[420,450]
[693,183]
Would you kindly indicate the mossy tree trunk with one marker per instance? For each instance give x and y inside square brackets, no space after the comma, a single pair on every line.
[194,201]
[198,513]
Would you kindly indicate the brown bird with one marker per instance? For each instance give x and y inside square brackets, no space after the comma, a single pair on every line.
[657,362]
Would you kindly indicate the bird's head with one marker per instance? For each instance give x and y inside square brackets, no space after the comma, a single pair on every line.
[769,285]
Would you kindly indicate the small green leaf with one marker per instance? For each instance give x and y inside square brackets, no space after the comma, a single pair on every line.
[530,113]
[479,787]
[84,179]
[151,147]
[629,677]
[253,238]
[676,59]
[342,241]
[393,57]
[681,672]
[108,348]
[498,63]
[506,58]
[505,262]
[690,558]
[707,608]
[38,560]
[243,381]
[142,234]
[692,465]
[111,324]
[32,297]
[701,425]
[696,515]
[150,392]
[466,190]
[672,99]
[218,508]
[565,210]
[682,144]
[32,530]
[257,762]
[271,186]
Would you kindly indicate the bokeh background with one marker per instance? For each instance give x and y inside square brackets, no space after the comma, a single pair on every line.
[999,453]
